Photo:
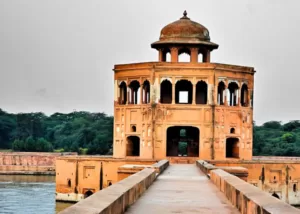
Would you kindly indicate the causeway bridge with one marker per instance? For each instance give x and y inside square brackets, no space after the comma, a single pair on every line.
[181,188]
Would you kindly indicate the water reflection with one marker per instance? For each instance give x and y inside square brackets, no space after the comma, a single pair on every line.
[29,195]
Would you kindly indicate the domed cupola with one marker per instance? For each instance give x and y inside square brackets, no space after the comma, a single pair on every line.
[184,36]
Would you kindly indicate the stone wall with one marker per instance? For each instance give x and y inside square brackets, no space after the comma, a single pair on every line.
[116,198]
[247,198]
[29,162]
[79,175]
[281,175]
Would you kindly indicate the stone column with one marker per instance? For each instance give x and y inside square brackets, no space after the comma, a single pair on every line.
[194,94]
[141,95]
[206,56]
[194,55]
[174,55]
[173,90]
[161,55]
[128,96]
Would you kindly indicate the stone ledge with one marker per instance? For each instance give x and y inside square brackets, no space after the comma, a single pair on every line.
[247,198]
[129,169]
[115,198]
[238,171]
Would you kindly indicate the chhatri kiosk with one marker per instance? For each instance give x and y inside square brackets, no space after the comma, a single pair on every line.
[190,110]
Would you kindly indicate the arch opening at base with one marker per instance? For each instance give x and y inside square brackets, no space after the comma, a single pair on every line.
[183,141]
[232,148]
[88,194]
[133,146]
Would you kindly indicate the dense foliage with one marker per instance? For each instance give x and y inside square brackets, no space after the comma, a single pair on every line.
[81,132]
[274,138]
[92,133]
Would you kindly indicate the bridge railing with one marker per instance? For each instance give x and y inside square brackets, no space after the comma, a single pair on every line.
[247,198]
[115,198]
[119,196]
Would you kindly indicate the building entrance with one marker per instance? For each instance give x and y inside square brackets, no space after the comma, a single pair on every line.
[183,141]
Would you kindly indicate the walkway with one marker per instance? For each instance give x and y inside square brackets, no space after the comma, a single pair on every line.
[182,188]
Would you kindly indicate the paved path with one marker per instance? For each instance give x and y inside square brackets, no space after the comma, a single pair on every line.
[182,188]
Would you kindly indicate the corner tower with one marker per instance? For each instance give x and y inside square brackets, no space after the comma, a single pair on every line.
[183,110]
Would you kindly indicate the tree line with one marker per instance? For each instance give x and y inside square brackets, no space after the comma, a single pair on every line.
[92,133]
[276,139]
[83,132]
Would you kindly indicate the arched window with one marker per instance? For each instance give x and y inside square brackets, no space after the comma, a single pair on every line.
[184,55]
[123,93]
[233,94]
[168,57]
[201,93]
[133,146]
[232,131]
[166,92]
[183,92]
[133,128]
[221,93]
[146,92]
[134,95]
[295,187]
[244,95]
[69,183]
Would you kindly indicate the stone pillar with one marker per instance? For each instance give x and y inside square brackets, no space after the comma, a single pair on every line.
[174,55]
[194,94]
[142,97]
[173,90]
[128,95]
[206,56]
[209,94]
[161,56]
[194,55]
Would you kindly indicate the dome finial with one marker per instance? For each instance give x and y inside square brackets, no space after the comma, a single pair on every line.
[185,13]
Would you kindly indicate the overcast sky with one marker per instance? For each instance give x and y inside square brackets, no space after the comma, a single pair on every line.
[58,55]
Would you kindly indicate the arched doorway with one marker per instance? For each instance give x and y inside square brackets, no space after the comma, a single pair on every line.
[232,147]
[133,146]
[183,141]
[275,195]
[88,193]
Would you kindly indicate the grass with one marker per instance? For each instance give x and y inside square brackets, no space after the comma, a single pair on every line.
[6,150]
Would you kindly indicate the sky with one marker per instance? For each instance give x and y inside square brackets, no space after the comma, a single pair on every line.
[58,55]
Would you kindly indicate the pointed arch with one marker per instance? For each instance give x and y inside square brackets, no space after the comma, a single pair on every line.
[134,96]
[221,93]
[166,91]
[201,92]
[123,93]
[244,95]
[146,92]
[233,94]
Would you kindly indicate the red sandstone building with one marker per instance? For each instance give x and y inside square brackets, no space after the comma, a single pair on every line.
[181,111]
[196,109]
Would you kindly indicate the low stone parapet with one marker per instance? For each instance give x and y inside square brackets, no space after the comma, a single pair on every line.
[238,171]
[116,198]
[247,198]
[205,166]
[161,166]
[129,169]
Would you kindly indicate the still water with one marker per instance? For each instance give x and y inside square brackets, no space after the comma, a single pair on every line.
[29,195]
